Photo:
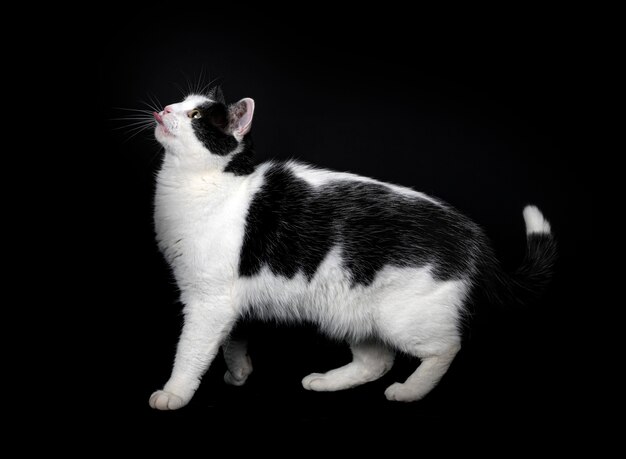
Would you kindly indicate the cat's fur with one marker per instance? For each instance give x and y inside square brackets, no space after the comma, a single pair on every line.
[381,266]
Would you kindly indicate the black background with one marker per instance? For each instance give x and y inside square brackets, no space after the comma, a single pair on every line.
[479,110]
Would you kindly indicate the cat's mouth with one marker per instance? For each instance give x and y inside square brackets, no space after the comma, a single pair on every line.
[159,119]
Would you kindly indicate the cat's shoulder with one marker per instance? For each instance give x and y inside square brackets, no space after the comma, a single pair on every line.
[292,173]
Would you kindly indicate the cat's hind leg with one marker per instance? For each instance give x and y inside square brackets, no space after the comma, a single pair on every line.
[425,378]
[422,320]
[238,363]
[369,362]
[435,341]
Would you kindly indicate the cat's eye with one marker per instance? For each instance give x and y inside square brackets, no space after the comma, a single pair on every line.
[194,114]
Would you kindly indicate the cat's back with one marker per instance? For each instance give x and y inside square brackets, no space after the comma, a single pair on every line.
[300,214]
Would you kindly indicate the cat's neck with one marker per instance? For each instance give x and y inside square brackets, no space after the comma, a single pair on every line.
[175,175]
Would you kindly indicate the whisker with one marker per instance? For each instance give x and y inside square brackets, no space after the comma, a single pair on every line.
[151,103]
[133,110]
[135,115]
[188,82]
[155,101]
[135,121]
[130,129]
[138,131]
[148,105]
[132,126]
[208,85]
[147,118]
[199,81]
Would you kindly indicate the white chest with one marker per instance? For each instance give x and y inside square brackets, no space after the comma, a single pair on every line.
[200,223]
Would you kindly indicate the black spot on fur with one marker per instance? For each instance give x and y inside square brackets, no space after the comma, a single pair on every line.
[210,129]
[243,162]
[291,226]
[217,95]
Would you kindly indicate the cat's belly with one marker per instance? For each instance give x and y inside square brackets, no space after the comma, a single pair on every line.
[341,308]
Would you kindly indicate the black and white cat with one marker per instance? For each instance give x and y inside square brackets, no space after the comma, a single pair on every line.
[380,266]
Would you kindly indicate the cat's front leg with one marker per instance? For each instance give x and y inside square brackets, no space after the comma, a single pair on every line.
[207,323]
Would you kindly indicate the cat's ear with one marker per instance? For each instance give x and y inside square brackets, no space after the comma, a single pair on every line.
[240,116]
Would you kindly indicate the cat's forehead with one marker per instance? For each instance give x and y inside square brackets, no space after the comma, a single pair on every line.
[194,100]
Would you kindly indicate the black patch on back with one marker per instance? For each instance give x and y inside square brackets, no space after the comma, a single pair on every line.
[243,162]
[291,226]
[210,129]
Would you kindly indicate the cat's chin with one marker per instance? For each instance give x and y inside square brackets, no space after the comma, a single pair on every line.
[162,131]
[164,137]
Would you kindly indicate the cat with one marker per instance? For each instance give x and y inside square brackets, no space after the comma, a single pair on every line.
[381,266]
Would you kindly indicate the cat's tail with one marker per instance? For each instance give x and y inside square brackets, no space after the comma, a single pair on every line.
[535,273]
[536,270]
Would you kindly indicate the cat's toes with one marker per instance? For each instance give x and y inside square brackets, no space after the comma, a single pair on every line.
[398,392]
[239,378]
[162,400]
[314,381]
[237,375]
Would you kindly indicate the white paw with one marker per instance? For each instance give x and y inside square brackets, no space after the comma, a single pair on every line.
[322,382]
[162,400]
[398,392]
[314,381]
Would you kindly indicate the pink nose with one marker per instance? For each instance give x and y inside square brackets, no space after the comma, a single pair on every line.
[168,109]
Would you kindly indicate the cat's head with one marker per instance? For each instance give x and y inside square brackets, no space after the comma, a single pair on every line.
[203,128]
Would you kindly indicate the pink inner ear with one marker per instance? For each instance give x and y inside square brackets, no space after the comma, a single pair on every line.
[245,111]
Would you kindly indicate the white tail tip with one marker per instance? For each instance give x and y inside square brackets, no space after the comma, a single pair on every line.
[535,221]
